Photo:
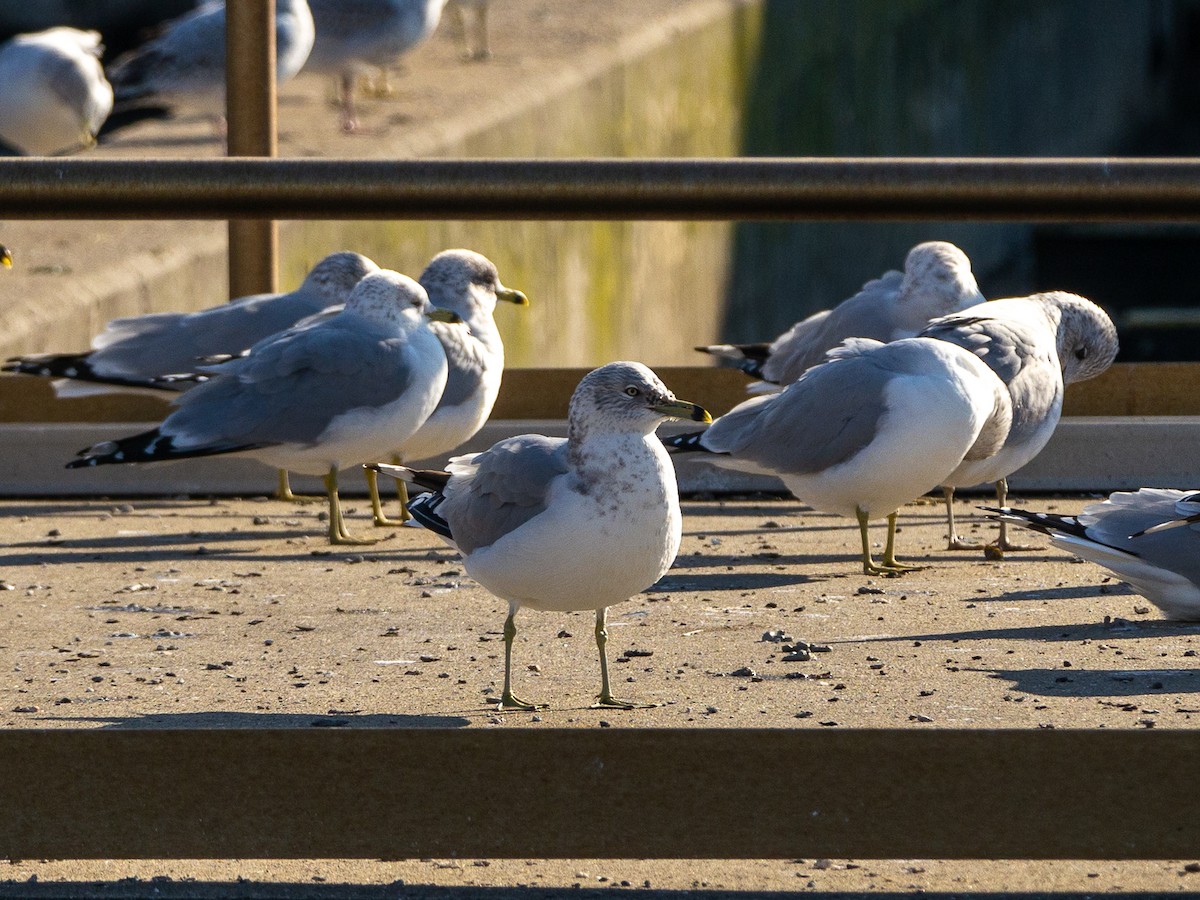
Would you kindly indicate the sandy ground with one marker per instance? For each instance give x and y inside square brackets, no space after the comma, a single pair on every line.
[235,613]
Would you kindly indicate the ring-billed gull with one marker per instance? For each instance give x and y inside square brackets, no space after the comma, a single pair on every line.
[311,399]
[567,524]
[356,35]
[55,95]
[467,284]
[135,353]
[1132,534]
[1035,345]
[185,64]
[936,280]
[874,427]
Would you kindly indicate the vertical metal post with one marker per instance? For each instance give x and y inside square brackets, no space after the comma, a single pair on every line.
[251,116]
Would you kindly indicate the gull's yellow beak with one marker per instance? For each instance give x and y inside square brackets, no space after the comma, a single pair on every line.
[443,315]
[5,257]
[511,296]
[681,409]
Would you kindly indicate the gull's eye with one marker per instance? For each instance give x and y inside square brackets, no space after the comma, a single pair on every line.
[631,391]
[1081,353]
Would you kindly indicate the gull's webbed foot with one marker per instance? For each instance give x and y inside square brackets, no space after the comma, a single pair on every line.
[509,700]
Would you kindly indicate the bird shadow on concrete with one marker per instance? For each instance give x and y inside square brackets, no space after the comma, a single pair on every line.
[1075,592]
[234,721]
[727,581]
[1117,629]
[1099,682]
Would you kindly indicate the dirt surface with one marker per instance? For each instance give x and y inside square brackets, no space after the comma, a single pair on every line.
[235,613]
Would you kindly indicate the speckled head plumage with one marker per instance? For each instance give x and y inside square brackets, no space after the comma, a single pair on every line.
[466,282]
[337,274]
[387,296]
[938,277]
[626,396]
[1087,337]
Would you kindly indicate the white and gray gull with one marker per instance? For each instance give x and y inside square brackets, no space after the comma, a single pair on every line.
[567,524]
[55,96]
[1149,537]
[465,283]
[936,280]
[137,352]
[313,399]
[874,427]
[1036,345]
[354,36]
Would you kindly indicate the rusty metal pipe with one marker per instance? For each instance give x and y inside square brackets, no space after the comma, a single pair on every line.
[662,189]
[251,116]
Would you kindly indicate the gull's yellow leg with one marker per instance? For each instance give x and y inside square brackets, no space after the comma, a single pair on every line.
[606,699]
[283,490]
[337,527]
[380,518]
[509,700]
[889,550]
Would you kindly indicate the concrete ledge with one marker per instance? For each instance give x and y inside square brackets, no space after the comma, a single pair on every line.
[1087,453]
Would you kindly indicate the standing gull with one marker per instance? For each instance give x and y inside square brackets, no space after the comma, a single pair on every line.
[936,280]
[137,352]
[354,36]
[1035,345]
[567,524]
[311,399]
[1149,537]
[467,284]
[55,96]
[876,426]
[185,64]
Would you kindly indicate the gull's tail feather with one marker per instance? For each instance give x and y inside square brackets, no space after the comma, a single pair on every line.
[1046,523]
[149,446]
[686,443]
[74,366]
[426,479]
[750,358]
[425,510]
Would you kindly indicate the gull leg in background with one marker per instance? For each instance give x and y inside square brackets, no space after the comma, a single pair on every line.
[377,512]
[955,542]
[283,490]
[509,700]
[1002,541]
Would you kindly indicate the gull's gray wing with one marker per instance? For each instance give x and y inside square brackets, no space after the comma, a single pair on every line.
[290,389]
[188,56]
[823,419]
[465,376]
[497,491]
[168,343]
[868,314]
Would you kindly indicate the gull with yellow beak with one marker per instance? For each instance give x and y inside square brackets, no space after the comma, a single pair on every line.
[312,399]
[572,523]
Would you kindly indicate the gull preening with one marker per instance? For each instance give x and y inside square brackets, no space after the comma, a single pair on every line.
[567,524]
[1036,345]
[872,428]
[313,399]
[55,96]
[1149,537]
[936,280]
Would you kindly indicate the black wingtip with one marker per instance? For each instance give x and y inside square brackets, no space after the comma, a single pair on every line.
[686,443]
[424,510]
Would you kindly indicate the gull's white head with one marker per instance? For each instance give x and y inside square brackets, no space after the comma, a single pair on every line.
[938,279]
[389,297]
[466,283]
[1087,337]
[336,275]
[625,397]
